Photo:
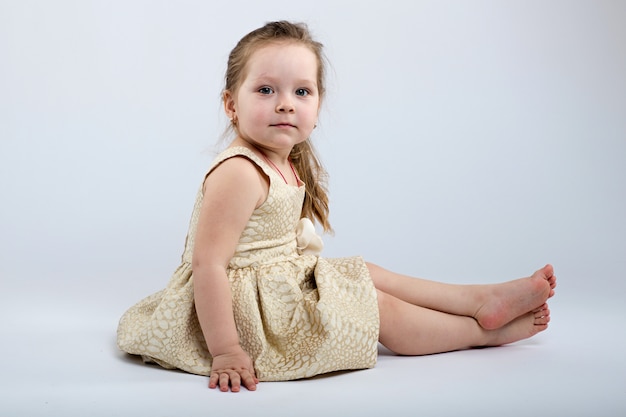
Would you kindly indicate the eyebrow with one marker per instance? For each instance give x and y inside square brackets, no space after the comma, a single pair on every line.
[264,78]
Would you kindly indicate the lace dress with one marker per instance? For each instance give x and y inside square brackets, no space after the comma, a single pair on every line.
[297,314]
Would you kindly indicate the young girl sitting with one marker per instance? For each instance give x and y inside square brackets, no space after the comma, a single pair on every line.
[252,300]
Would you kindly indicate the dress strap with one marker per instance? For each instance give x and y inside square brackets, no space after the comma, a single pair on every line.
[239,151]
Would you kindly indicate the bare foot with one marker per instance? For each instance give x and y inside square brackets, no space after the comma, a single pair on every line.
[503,303]
[522,327]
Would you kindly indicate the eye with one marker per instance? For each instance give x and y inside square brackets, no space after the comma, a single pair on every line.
[266,90]
[302,92]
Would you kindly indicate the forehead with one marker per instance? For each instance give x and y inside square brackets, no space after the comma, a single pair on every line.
[283,60]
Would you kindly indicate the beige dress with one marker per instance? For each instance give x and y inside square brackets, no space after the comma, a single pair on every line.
[297,315]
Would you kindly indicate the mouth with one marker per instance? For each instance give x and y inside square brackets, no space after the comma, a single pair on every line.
[282,125]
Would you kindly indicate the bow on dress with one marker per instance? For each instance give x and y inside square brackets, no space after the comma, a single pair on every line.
[307,241]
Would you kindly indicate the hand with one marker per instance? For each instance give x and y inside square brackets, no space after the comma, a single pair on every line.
[233,368]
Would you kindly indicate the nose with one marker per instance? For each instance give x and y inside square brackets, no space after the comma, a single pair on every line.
[285,105]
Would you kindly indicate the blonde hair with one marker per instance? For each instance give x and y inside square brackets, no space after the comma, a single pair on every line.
[303,156]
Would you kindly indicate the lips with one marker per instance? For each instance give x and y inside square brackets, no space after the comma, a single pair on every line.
[282,125]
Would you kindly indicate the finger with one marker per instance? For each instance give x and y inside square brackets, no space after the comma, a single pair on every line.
[253,373]
[213,380]
[235,382]
[224,379]
[249,381]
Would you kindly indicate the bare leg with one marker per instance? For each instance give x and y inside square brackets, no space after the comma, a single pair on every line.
[408,329]
[492,305]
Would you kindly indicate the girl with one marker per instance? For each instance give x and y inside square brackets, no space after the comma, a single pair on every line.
[252,300]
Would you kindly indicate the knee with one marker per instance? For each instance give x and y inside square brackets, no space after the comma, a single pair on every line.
[385,305]
[374,270]
[388,331]
[378,276]
[371,267]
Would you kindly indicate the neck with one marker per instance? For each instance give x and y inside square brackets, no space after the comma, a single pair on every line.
[280,157]
[273,165]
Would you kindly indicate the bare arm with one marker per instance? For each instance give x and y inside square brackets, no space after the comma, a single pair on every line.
[231,193]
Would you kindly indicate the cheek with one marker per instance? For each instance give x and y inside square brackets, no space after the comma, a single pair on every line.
[260,112]
[312,114]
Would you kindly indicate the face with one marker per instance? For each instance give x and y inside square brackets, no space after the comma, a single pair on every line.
[277,104]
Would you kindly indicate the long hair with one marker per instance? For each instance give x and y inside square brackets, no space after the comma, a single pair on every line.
[303,155]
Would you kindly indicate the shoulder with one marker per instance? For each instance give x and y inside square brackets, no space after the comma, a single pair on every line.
[236,152]
[237,175]
[238,156]
[237,167]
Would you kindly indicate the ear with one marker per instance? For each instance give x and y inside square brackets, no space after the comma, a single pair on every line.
[229,104]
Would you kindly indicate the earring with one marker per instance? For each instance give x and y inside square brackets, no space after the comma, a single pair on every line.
[233,121]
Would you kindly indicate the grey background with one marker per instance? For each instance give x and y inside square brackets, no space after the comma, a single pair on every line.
[466,142]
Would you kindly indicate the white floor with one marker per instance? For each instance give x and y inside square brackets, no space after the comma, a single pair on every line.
[60,359]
